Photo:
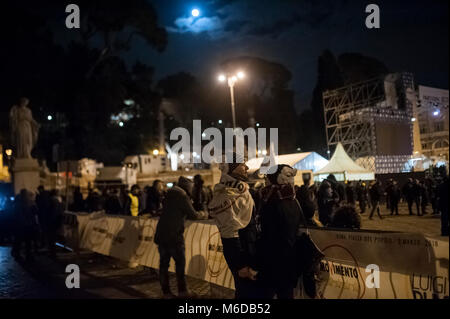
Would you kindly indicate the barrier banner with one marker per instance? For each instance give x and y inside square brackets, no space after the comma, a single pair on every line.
[406,265]
[357,264]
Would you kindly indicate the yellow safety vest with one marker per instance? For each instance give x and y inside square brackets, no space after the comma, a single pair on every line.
[134,206]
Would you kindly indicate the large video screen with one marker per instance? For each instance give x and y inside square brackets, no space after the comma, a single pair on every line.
[393,138]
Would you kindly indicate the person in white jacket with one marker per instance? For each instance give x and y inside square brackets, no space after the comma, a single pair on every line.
[232,208]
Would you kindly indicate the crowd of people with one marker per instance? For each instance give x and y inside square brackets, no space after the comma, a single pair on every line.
[36,221]
[117,200]
[258,223]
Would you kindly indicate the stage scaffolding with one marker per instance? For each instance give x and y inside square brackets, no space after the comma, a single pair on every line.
[351,113]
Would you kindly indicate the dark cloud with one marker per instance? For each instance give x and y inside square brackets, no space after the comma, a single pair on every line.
[236,25]
[276,28]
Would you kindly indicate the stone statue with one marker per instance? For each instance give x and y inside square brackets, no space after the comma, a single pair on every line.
[24,129]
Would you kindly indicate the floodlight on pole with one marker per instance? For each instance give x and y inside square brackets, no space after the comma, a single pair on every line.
[231,80]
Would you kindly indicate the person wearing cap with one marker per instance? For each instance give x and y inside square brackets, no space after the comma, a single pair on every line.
[232,208]
[169,235]
[280,216]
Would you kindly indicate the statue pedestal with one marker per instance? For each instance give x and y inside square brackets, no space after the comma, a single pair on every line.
[26,174]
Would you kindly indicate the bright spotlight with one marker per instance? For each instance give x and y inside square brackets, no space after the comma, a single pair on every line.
[195,12]
[49,117]
[241,74]
[155,152]
[436,113]
[413,119]
[221,78]
[234,78]
[121,124]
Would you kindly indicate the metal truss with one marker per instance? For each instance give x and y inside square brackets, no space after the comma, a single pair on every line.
[350,114]
[346,116]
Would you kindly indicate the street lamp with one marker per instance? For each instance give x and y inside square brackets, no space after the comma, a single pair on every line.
[231,80]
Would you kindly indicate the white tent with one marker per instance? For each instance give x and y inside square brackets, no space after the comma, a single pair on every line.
[343,168]
[301,161]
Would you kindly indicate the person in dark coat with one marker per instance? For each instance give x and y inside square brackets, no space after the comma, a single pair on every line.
[281,216]
[432,194]
[388,200]
[375,198]
[54,221]
[327,200]
[155,196]
[112,204]
[169,235]
[78,201]
[43,205]
[393,195]
[411,193]
[361,194]
[423,192]
[338,188]
[350,192]
[25,220]
[93,201]
[200,196]
[442,194]
[305,197]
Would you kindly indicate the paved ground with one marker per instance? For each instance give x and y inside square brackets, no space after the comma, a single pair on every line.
[101,277]
[106,277]
[429,224]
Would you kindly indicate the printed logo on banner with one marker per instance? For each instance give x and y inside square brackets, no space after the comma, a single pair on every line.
[214,255]
[145,238]
[99,232]
[429,286]
[342,277]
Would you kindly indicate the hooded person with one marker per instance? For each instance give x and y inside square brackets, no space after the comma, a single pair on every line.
[232,208]
[281,216]
[169,235]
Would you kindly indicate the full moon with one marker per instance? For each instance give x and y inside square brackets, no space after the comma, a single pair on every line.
[195,12]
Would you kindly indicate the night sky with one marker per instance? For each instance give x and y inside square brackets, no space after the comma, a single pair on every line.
[413,37]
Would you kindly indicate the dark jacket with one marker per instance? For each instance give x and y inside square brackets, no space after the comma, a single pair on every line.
[423,191]
[375,193]
[112,205]
[200,197]
[25,213]
[393,193]
[361,193]
[280,219]
[326,201]
[305,198]
[350,192]
[411,191]
[177,207]
[154,201]
[43,200]
[55,213]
